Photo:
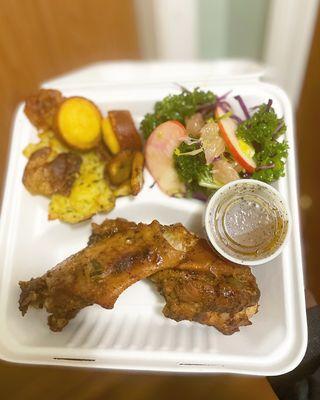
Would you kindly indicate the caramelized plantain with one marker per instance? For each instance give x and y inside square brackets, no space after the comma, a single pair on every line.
[118,170]
[137,172]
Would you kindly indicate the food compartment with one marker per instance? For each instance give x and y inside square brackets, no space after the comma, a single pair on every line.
[135,334]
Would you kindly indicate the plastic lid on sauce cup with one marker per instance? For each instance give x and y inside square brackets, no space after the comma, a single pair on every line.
[247,222]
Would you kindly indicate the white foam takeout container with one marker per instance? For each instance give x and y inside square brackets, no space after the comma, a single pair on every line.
[135,335]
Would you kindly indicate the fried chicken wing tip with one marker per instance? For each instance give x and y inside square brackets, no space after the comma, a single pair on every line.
[31,294]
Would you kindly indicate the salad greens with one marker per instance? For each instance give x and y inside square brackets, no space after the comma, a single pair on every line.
[175,107]
[262,131]
[251,149]
[193,170]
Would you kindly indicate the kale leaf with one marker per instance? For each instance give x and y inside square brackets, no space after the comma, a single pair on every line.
[193,170]
[175,107]
[262,131]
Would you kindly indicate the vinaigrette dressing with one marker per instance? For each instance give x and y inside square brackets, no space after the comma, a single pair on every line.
[249,222]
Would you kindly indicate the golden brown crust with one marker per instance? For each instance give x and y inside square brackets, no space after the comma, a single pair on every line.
[108,228]
[125,130]
[196,284]
[224,301]
[137,173]
[203,288]
[103,270]
[41,107]
[46,176]
[207,289]
[103,152]
[125,189]
[118,169]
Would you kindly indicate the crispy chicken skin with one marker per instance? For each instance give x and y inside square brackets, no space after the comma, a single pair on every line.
[45,176]
[104,269]
[203,287]
[42,106]
[108,228]
[196,284]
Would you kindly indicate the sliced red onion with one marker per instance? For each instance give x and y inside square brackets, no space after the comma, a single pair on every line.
[204,105]
[224,96]
[200,196]
[206,108]
[183,88]
[243,106]
[264,167]
[210,160]
[224,106]
[217,158]
[269,104]
[278,128]
[236,118]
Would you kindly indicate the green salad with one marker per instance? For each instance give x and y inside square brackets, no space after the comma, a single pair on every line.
[200,144]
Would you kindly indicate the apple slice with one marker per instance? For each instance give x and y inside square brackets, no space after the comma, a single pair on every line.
[158,154]
[228,128]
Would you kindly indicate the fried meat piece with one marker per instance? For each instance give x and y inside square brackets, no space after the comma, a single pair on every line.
[104,269]
[206,289]
[203,287]
[46,177]
[42,106]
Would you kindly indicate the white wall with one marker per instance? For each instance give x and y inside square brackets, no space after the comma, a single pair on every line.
[278,32]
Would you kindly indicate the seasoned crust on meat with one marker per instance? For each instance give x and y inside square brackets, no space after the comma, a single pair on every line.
[199,297]
[47,176]
[103,270]
[108,228]
[209,290]
[196,284]
[42,106]
[203,288]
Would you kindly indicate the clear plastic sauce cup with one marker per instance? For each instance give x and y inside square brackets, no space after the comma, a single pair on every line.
[247,222]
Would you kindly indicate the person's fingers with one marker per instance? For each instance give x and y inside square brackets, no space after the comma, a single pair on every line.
[310,300]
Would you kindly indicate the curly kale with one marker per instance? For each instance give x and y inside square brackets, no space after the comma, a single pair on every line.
[193,170]
[175,107]
[262,131]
